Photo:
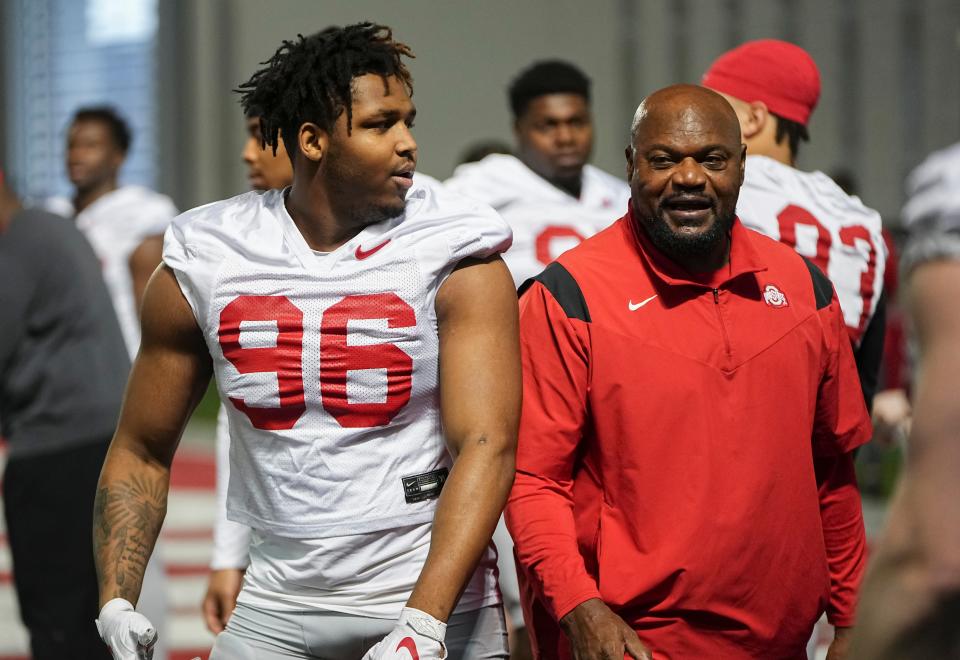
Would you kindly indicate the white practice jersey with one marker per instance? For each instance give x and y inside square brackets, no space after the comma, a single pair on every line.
[934,192]
[116,224]
[327,363]
[546,220]
[810,212]
[231,540]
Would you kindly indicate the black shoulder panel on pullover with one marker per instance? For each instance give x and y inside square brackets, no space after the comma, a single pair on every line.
[822,288]
[565,290]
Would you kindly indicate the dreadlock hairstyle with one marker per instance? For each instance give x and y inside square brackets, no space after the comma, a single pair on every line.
[791,131]
[310,79]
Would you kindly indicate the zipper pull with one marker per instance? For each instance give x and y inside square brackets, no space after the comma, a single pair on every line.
[716,297]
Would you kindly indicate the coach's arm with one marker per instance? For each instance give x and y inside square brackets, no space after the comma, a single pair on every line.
[480,409]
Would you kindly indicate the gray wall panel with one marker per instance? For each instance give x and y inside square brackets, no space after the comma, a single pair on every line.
[468,51]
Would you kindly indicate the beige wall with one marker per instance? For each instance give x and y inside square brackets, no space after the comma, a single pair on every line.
[891,72]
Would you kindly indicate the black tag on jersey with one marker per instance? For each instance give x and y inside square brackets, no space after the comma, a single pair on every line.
[426,486]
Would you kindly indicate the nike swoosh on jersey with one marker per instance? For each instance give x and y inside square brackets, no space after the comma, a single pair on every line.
[363,254]
[410,645]
[635,306]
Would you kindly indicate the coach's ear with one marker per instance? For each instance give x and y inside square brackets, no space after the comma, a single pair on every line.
[312,141]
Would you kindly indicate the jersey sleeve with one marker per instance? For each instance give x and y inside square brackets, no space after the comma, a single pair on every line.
[841,423]
[539,512]
[844,537]
[448,228]
[483,235]
[194,259]
[231,540]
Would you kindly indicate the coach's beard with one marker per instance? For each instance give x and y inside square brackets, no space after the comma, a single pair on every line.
[684,247]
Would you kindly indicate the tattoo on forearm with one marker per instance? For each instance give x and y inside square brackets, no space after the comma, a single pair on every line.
[127,519]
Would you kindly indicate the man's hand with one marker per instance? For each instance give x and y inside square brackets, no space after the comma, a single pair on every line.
[417,635]
[129,634]
[221,598]
[840,645]
[596,633]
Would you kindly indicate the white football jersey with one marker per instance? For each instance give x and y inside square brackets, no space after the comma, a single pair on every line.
[933,188]
[810,212]
[231,540]
[546,220]
[116,224]
[327,363]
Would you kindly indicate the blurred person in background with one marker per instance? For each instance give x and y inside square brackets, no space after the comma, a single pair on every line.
[63,366]
[124,224]
[548,192]
[268,167]
[910,606]
[477,151]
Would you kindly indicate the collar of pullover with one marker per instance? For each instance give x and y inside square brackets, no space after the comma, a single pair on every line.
[743,260]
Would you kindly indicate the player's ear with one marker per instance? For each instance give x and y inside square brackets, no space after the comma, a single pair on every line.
[312,141]
[756,118]
[629,154]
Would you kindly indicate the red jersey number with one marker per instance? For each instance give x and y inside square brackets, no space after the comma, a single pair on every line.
[547,236]
[336,358]
[850,236]
[284,359]
[793,215]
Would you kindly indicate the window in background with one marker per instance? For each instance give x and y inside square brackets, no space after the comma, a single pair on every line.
[64,54]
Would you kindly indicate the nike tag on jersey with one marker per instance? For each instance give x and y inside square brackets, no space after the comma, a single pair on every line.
[363,254]
[426,486]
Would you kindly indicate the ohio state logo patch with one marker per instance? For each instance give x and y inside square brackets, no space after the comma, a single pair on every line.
[774,296]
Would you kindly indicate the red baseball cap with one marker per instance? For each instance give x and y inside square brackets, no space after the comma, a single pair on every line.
[779,73]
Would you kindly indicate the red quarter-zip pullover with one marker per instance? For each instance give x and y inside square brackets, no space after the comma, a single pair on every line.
[674,434]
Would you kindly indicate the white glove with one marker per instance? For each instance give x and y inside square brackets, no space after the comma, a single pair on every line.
[129,634]
[417,636]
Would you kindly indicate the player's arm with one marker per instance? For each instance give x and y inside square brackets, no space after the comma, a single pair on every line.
[143,261]
[911,598]
[168,378]
[480,409]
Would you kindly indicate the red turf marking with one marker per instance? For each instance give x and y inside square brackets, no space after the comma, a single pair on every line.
[186,570]
[197,534]
[193,470]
